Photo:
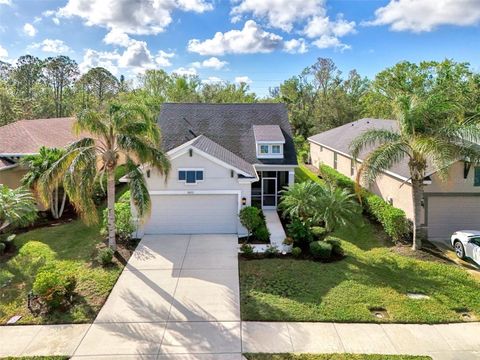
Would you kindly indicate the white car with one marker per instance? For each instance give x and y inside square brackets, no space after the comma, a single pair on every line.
[467,244]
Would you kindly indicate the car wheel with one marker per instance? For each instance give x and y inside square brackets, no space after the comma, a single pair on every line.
[459,249]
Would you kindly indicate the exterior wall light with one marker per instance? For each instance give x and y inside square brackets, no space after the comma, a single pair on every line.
[244,201]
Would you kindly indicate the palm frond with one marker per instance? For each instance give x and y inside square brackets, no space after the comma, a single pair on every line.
[92,122]
[373,137]
[138,189]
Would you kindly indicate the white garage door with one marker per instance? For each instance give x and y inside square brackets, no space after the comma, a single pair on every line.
[193,214]
[447,214]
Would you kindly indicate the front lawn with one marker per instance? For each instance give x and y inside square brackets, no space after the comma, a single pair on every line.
[332,357]
[371,276]
[74,246]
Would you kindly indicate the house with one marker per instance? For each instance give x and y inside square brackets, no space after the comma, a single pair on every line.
[26,137]
[447,206]
[223,157]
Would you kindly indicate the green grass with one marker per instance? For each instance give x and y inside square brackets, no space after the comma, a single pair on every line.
[371,276]
[74,246]
[332,357]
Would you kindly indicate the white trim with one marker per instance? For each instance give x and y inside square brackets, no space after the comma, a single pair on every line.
[263,142]
[200,192]
[259,167]
[269,154]
[18,154]
[191,169]
[388,172]
[9,167]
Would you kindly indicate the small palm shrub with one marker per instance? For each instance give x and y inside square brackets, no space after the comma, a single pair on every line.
[54,286]
[105,256]
[321,250]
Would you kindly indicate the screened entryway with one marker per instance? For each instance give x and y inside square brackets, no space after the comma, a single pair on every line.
[265,192]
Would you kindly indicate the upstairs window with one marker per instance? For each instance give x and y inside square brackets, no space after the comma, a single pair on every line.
[190,176]
[264,149]
[275,149]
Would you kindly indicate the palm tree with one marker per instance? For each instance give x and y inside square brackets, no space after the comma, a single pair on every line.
[299,201]
[38,165]
[17,207]
[121,131]
[432,130]
[337,207]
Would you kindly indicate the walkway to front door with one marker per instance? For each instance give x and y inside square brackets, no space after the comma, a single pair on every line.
[179,294]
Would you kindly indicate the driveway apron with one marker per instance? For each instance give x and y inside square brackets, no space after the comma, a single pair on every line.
[178,298]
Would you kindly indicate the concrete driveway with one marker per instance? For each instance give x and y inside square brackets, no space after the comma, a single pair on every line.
[178,298]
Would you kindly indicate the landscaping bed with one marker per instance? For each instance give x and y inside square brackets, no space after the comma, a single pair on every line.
[73,247]
[333,357]
[371,284]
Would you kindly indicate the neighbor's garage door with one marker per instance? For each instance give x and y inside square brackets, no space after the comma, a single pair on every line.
[447,214]
[193,214]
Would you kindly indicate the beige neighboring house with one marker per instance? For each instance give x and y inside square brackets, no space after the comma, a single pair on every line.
[448,205]
[26,137]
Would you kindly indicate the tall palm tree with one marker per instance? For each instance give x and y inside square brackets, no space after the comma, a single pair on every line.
[38,165]
[17,207]
[122,131]
[432,130]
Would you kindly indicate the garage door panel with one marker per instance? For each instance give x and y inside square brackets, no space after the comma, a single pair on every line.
[193,214]
[447,214]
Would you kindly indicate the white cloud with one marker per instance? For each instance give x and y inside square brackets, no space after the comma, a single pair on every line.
[163,58]
[141,17]
[212,80]
[53,46]
[328,41]
[115,37]
[322,25]
[6,2]
[29,29]
[49,14]
[211,63]
[182,71]
[251,39]
[295,46]
[426,15]
[3,52]
[93,58]
[243,79]
[56,20]
[280,14]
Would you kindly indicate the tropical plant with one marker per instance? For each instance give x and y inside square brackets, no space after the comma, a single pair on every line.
[38,165]
[300,201]
[250,218]
[432,133]
[337,207]
[121,130]
[17,207]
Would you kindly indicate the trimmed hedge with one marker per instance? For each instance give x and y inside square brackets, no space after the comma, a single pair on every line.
[392,219]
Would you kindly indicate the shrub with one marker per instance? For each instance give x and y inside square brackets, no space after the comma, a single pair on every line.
[105,256]
[262,234]
[336,245]
[271,251]
[54,286]
[296,252]
[393,220]
[300,233]
[321,250]
[251,218]
[318,232]
[124,226]
[247,250]
[2,248]
[7,240]
[125,197]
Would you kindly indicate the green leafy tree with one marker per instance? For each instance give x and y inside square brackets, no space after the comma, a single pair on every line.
[120,131]
[432,129]
[10,108]
[37,166]
[17,207]
[222,92]
[96,86]
[250,218]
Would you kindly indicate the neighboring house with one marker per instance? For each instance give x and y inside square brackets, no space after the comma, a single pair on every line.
[26,137]
[448,205]
[223,157]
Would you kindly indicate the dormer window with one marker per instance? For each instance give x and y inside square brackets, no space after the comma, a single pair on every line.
[269,141]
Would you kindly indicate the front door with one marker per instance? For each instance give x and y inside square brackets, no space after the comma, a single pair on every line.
[269,193]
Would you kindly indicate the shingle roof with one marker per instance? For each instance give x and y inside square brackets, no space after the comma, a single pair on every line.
[27,136]
[212,148]
[268,133]
[228,125]
[341,137]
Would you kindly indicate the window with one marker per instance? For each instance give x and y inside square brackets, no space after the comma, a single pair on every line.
[335,161]
[475,241]
[275,149]
[263,149]
[476,180]
[190,176]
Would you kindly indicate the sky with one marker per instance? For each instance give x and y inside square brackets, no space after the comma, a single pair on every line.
[260,42]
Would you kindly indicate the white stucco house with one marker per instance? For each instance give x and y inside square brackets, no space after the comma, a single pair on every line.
[223,157]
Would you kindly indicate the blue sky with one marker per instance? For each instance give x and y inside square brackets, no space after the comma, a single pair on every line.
[262,42]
